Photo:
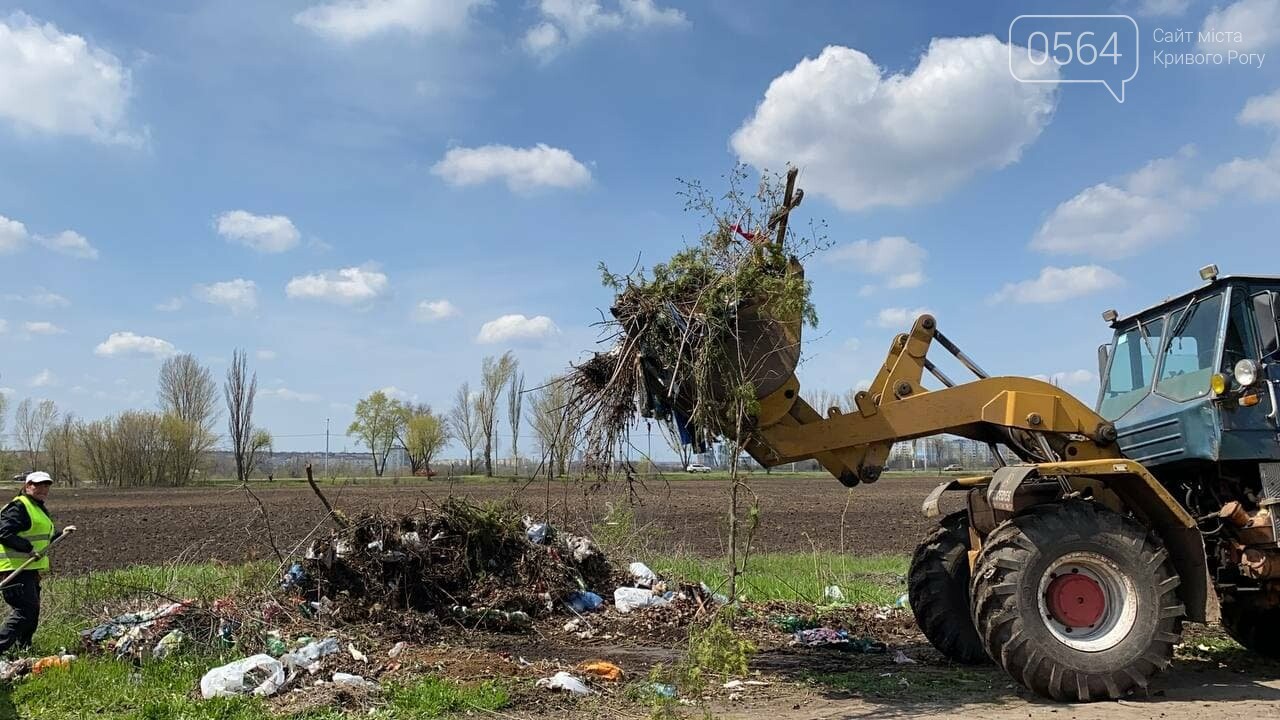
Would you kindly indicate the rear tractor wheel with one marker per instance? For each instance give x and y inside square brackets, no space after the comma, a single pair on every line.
[1077,602]
[938,588]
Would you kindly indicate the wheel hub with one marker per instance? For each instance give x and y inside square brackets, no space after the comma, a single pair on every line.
[1076,600]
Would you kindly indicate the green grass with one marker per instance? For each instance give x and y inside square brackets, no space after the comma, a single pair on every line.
[798,576]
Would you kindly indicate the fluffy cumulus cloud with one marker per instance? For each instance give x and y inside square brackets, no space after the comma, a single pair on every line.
[264,233]
[348,286]
[1058,284]
[865,138]
[56,83]
[1257,178]
[129,343]
[1256,21]
[1111,221]
[42,327]
[71,244]
[433,310]
[355,20]
[900,318]
[13,235]
[517,328]
[566,22]
[896,258]
[522,169]
[237,295]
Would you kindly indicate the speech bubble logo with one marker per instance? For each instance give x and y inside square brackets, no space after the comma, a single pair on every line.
[1100,49]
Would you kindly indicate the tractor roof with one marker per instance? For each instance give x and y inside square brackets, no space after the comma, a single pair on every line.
[1183,297]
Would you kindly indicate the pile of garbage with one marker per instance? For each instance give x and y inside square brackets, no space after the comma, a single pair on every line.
[155,631]
[698,339]
[484,566]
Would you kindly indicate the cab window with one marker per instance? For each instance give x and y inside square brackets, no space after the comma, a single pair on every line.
[1189,356]
[1240,342]
[1133,363]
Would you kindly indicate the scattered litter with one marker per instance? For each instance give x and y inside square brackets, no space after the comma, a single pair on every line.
[901,658]
[293,577]
[275,644]
[356,654]
[833,593]
[170,642]
[642,575]
[538,533]
[397,649]
[626,599]
[903,601]
[581,601]
[308,656]
[348,680]
[14,669]
[602,669]
[492,619]
[717,598]
[1203,648]
[662,690]
[125,632]
[817,637]
[564,681]
[257,675]
[739,684]
[52,661]
[793,623]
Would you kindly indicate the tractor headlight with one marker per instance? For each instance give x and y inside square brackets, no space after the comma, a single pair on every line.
[1246,373]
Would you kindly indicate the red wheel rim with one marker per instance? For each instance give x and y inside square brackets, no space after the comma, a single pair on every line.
[1076,600]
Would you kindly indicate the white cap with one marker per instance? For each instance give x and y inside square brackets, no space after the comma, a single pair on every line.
[39,477]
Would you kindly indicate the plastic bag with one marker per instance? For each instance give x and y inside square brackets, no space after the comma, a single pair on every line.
[642,575]
[257,675]
[168,644]
[581,601]
[349,680]
[565,681]
[627,599]
[308,656]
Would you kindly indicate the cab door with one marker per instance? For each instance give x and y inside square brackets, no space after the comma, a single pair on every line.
[1249,414]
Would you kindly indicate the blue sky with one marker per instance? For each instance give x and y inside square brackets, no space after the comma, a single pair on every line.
[378,193]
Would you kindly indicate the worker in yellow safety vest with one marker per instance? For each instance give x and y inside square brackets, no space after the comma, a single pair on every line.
[25,531]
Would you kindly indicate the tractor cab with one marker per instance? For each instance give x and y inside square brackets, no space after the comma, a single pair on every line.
[1194,378]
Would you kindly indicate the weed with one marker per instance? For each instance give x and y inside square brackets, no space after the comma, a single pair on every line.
[714,651]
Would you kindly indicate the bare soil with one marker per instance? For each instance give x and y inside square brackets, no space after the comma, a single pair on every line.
[121,527]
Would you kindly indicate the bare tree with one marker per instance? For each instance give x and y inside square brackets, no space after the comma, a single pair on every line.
[189,396]
[822,400]
[239,392]
[60,449]
[494,374]
[553,424]
[464,425]
[515,399]
[31,423]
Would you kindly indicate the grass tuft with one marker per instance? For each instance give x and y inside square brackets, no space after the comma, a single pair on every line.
[877,580]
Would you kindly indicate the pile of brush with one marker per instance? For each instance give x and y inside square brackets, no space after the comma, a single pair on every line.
[701,338]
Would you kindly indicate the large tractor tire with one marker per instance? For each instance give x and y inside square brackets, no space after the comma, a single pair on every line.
[1077,602]
[938,587]
[1253,625]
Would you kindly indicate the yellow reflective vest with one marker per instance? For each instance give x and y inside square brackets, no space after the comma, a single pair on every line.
[39,535]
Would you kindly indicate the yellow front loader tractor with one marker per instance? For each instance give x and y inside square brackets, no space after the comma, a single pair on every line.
[1101,529]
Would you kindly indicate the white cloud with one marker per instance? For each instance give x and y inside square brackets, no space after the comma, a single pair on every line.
[264,233]
[44,378]
[129,343]
[7,391]
[13,235]
[354,20]
[867,139]
[237,295]
[1058,284]
[1261,110]
[523,169]
[395,393]
[71,244]
[432,310]
[901,260]
[58,84]
[170,305]
[515,328]
[1256,21]
[1112,221]
[42,328]
[348,286]
[898,318]
[283,393]
[1070,377]
[567,22]
[1152,8]
[265,354]
[40,297]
